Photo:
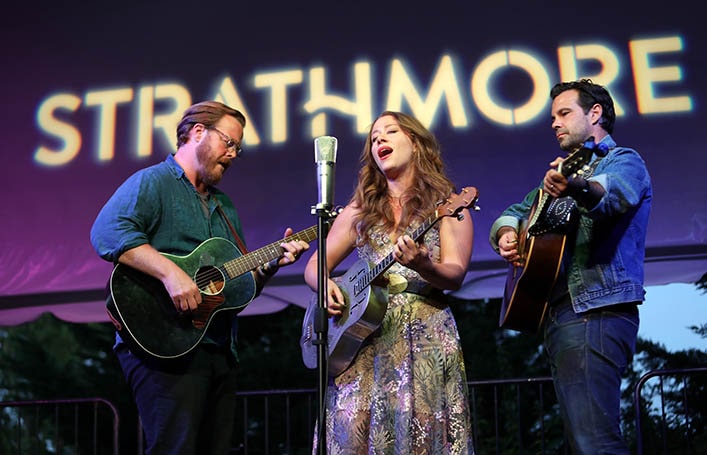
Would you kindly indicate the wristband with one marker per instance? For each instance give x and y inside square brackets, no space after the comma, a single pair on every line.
[587,196]
[577,187]
[586,188]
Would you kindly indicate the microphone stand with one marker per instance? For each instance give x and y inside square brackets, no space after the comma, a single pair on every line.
[321,321]
[325,157]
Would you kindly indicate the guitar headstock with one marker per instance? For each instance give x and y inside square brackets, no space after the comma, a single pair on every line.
[455,203]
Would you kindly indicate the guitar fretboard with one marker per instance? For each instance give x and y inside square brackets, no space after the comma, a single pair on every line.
[254,259]
[387,261]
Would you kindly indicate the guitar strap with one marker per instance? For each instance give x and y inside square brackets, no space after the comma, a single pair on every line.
[241,245]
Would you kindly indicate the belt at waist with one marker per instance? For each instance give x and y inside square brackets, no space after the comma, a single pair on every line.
[398,284]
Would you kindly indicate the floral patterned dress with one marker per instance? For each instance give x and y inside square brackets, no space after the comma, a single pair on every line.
[406,391]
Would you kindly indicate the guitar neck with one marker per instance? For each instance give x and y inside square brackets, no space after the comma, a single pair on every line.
[580,157]
[254,259]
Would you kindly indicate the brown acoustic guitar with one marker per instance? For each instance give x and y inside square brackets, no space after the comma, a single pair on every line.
[541,244]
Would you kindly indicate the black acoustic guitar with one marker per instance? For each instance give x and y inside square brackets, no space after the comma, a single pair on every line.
[365,305]
[145,316]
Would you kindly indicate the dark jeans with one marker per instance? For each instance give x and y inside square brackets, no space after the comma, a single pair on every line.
[588,353]
[186,406]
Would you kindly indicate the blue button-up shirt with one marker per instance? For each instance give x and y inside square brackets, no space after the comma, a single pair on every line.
[159,206]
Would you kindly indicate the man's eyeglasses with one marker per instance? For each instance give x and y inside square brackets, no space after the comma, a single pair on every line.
[231,144]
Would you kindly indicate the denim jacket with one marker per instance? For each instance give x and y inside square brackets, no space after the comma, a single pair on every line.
[603,262]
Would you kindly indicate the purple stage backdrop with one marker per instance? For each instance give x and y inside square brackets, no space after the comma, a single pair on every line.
[93,92]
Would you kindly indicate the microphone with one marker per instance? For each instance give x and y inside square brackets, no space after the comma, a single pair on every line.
[325,157]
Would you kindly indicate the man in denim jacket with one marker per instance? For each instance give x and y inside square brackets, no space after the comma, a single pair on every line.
[592,320]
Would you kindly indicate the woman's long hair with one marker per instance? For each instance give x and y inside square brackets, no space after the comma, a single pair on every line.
[430,183]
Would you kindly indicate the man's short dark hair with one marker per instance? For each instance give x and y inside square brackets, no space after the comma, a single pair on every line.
[589,95]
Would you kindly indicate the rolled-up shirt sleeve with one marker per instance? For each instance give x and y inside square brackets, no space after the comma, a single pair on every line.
[122,223]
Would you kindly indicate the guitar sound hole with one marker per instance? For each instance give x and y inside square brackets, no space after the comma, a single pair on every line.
[210,280]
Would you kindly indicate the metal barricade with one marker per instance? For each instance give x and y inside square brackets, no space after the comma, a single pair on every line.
[59,426]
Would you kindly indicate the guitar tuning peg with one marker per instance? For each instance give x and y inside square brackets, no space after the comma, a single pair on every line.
[460,216]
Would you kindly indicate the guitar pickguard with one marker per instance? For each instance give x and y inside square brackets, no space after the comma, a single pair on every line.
[556,216]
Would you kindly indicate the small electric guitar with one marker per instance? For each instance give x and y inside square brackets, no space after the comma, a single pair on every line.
[365,305]
[145,316]
[541,243]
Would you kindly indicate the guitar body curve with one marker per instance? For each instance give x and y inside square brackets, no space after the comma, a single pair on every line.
[143,311]
[362,316]
[528,287]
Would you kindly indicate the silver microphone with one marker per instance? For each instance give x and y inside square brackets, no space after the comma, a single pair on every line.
[325,157]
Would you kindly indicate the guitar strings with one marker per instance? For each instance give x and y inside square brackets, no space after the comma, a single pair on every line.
[230,269]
